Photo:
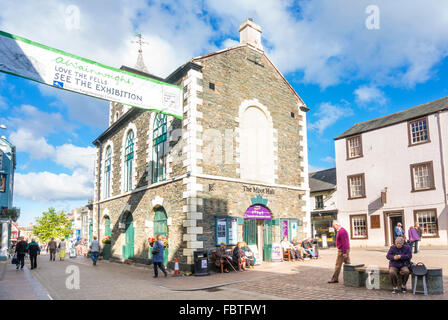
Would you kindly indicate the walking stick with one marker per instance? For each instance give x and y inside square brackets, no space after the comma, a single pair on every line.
[230,264]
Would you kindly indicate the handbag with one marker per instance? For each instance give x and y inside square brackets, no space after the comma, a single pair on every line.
[14,259]
[156,249]
[419,269]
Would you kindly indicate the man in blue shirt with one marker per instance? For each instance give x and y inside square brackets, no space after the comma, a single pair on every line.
[398,231]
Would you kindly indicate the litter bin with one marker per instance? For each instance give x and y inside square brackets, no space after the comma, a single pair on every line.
[201,263]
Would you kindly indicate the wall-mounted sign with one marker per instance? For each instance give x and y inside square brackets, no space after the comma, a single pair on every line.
[221,226]
[53,67]
[233,231]
[258,190]
[257,212]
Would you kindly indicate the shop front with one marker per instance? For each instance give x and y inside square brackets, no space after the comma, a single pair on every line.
[322,228]
[257,231]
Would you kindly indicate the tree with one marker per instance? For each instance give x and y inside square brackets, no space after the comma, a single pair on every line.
[52,224]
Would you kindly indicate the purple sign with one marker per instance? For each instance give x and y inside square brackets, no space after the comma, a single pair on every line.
[285,228]
[257,212]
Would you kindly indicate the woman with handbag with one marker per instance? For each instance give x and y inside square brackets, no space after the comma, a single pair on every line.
[157,256]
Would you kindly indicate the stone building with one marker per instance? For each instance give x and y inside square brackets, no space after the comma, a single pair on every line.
[234,168]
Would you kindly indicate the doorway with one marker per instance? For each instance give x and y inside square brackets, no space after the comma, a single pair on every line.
[128,249]
[391,219]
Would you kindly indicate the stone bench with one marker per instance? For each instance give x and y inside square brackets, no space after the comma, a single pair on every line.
[357,275]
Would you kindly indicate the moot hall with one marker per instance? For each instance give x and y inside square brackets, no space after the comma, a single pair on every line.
[233,169]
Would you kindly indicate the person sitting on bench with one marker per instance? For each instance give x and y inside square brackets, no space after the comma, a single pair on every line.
[288,245]
[298,246]
[238,256]
[399,257]
[221,255]
[308,246]
[248,255]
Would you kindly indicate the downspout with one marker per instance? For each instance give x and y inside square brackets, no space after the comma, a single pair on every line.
[442,163]
[99,191]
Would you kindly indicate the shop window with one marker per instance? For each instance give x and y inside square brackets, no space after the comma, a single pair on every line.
[358,226]
[427,220]
[227,231]
[288,228]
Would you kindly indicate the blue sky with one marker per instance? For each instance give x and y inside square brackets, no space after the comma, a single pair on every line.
[345,72]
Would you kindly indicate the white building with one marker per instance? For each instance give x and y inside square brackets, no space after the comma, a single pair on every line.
[393,169]
[323,200]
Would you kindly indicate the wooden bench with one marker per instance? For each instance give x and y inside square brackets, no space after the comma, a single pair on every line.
[357,275]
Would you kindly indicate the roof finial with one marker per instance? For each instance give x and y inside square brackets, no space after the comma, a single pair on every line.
[140,65]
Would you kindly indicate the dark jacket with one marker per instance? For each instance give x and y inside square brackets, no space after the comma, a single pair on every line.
[237,254]
[404,252]
[52,245]
[159,256]
[21,247]
[419,231]
[33,248]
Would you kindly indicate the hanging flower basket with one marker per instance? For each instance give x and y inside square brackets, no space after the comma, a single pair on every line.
[152,240]
[107,240]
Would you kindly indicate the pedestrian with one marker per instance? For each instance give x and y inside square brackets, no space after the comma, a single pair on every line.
[21,252]
[94,250]
[157,256]
[343,245]
[398,231]
[52,246]
[33,250]
[413,238]
[62,247]
[399,257]
[419,232]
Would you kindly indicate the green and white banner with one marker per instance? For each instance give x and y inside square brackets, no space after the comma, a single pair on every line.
[37,62]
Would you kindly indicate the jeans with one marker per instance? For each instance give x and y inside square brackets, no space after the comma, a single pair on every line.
[94,256]
[158,265]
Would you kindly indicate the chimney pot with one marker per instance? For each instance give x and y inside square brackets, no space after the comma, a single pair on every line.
[250,33]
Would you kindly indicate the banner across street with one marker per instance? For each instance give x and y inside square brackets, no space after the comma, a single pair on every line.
[37,62]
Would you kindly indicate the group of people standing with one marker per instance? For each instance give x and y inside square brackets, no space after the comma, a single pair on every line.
[414,235]
[53,246]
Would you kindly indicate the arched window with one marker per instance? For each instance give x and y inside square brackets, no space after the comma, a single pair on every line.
[159,148]
[107,231]
[160,223]
[128,160]
[107,171]
[256,146]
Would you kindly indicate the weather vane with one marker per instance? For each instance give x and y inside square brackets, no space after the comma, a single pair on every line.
[139,41]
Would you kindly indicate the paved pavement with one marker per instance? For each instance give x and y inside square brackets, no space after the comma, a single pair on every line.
[283,280]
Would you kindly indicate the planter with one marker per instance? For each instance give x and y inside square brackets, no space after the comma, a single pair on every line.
[106,251]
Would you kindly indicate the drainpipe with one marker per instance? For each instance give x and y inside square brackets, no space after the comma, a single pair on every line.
[99,191]
[442,163]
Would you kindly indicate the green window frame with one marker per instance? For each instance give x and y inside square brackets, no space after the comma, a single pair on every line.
[289,222]
[160,223]
[107,172]
[229,229]
[128,159]
[159,136]
[107,230]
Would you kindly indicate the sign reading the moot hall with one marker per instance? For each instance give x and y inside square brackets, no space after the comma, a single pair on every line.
[37,62]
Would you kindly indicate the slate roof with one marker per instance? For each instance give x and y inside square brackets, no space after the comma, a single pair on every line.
[402,116]
[323,180]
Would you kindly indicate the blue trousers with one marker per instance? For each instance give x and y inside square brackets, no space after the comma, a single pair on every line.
[94,256]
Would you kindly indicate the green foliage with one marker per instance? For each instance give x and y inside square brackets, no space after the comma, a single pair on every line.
[12,214]
[52,224]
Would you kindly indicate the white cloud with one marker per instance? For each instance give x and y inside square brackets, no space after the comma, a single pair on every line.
[327,115]
[328,159]
[369,94]
[312,168]
[47,186]
[36,146]
[72,157]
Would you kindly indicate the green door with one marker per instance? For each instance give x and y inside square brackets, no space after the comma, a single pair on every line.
[90,230]
[161,227]
[107,231]
[129,246]
[250,231]
[267,240]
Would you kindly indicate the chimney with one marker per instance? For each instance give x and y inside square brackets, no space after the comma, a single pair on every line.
[250,33]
